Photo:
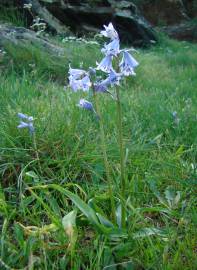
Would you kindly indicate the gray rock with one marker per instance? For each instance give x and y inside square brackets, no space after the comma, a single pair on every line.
[19,36]
[89,16]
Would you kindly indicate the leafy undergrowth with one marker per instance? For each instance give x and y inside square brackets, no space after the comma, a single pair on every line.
[160,127]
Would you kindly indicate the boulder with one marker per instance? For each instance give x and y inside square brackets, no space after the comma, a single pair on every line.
[19,36]
[85,17]
[184,31]
[167,12]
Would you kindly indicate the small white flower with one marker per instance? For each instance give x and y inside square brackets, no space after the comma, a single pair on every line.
[109,32]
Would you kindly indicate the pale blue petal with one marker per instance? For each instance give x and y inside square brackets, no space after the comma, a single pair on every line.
[109,32]
[113,48]
[23,125]
[106,64]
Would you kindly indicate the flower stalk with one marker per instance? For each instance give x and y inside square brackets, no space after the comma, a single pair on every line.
[121,149]
[36,151]
[115,69]
[106,162]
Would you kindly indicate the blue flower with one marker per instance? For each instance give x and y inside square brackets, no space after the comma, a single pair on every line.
[128,64]
[28,124]
[83,103]
[109,32]
[25,117]
[101,86]
[76,73]
[106,64]
[112,79]
[79,80]
[113,48]
[86,83]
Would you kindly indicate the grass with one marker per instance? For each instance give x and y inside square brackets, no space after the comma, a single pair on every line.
[161,167]
[12,15]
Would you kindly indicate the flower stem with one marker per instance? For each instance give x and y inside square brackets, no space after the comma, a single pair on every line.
[121,147]
[36,151]
[106,163]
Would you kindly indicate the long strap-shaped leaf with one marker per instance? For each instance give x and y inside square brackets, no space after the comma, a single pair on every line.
[80,204]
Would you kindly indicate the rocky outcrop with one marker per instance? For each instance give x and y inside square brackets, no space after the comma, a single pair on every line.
[184,31]
[168,12]
[19,36]
[85,17]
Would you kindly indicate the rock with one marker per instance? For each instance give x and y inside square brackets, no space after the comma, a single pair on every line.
[84,17]
[44,14]
[184,31]
[20,36]
[167,12]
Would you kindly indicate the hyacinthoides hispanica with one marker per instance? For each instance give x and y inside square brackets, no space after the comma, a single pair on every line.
[27,122]
[116,65]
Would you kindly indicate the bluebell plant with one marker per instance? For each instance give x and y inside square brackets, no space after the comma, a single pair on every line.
[82,80]
[116,65]
[26,122]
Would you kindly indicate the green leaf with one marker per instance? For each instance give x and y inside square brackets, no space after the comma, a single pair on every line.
[80,204]
[32,174]
[104,221]
[156,192]
[145,232]
[69,220]
[95,207]
[170,195]
[19,236]
[119,215]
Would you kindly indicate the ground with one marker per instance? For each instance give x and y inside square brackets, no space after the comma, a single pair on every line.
[159,128]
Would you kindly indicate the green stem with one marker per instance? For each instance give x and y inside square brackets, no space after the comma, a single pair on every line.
[106,163]
[121,147]
[36,151]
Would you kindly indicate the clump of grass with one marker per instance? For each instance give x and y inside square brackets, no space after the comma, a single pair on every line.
[160,165]
[11,14]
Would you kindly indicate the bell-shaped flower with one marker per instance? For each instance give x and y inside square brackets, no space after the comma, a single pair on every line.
[101,86]
[26,122]
[83,84]
[25,117]
[106,64]
[112,79]
[76,73]
[113,48]
[86,83]
[75,85]
[85,104]
[128,64]
[109,32]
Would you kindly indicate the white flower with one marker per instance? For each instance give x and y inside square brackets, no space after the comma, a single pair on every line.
[128,64]
[110,32]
